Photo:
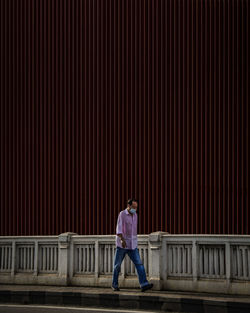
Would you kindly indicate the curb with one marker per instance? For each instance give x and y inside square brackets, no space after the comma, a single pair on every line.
[144,302]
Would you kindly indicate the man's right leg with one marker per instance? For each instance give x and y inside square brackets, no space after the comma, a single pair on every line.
[119,256]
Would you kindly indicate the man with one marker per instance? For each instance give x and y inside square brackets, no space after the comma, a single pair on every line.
[126,243]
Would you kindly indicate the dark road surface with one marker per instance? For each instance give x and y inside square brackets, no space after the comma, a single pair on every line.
[19,308]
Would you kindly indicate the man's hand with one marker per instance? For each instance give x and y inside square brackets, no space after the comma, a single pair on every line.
[122,240]
[123,243]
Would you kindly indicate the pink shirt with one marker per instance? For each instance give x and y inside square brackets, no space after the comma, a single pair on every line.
[127,226]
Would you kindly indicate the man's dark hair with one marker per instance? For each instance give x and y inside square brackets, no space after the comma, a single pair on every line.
[131,200]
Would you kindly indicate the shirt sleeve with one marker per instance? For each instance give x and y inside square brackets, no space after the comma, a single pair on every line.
[119,225]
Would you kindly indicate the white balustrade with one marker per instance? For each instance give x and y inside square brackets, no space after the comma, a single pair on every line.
[84,258]
[25,257]
[48,258]
[211,263]
[5,257]
[179,260]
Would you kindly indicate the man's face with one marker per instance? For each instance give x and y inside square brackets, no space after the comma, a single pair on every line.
[134,205]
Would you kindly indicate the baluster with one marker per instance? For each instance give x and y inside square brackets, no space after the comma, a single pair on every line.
[176,260]
[96,258]
[113,257]
[13,258]
[29,255]
[4,260]
[93,259]
[40,259]
[210,261]
[128,269]
[170,259]
[9,258]
[104,259]
[21,258]
[101,270]
[238,261]
[1,257]
[5,263]
[147,259]
[37,259]
[189,258]
[87,269]
[32,258]
[48,258]
[109,259]
[248,259]
[51,259]
[79,259]
[216,261]
[234,253]
[184,266]
[84,258]
[56,259]
[244,256]
[222,260]
[44,258]
[201,260]
[179,259]
[27,258]
[24,258]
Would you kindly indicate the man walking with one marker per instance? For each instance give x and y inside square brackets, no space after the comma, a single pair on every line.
[126,243]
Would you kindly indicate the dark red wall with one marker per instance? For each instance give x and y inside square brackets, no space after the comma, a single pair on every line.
[106,99]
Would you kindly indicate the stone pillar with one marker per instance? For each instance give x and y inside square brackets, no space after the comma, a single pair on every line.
[36,258]
[96,259]
[13,260]
[156,259]
[64,257]
[228,265]
[195,256]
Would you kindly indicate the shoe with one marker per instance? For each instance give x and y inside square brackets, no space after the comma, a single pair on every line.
[144,288]
[115,288]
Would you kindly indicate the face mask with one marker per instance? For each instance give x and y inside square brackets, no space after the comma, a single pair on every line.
[132,211]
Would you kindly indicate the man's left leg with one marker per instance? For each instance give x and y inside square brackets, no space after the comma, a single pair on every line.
[135,258]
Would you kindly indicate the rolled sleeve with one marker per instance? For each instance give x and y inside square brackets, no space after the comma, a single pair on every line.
[119,225]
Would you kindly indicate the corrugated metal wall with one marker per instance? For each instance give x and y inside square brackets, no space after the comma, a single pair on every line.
[106,99]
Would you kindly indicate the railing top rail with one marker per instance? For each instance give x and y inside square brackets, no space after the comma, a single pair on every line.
[140,237]
[103,236]
[205,236]
[28,237]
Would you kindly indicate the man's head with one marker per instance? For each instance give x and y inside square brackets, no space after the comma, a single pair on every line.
[132,205]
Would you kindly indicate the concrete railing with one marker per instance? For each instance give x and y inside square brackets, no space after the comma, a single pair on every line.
[209,263]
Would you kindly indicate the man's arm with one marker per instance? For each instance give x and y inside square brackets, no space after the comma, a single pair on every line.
[119,230]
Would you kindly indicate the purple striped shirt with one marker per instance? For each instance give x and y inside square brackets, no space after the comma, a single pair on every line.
[127,226]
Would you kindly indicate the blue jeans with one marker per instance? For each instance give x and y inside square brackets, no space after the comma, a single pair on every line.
[135,258]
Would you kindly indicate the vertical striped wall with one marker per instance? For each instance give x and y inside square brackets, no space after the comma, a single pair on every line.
[106,99]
